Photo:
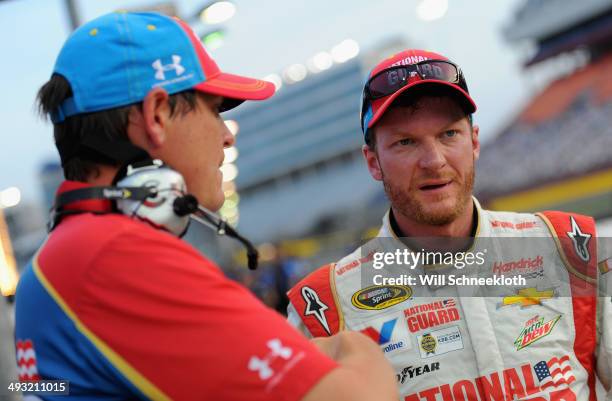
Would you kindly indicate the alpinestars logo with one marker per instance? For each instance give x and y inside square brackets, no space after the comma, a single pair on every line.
[161,68]
[262,365]
[580,240]
[316,307]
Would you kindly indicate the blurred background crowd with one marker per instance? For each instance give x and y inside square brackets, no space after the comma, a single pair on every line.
[295,183]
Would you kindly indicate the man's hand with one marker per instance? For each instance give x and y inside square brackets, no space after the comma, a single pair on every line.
[364,373]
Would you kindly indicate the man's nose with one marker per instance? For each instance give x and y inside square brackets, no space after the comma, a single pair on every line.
[228,138]
[432,157]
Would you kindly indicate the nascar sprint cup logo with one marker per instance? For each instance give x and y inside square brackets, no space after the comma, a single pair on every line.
[379,297]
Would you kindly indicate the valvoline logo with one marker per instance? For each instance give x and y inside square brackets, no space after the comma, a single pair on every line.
[384,336]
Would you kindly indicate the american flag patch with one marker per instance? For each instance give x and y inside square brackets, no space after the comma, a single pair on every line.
[554,373]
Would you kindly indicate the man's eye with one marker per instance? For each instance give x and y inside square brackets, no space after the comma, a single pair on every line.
[450,133]
[406,141]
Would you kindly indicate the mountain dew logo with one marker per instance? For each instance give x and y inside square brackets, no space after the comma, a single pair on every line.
[535,329]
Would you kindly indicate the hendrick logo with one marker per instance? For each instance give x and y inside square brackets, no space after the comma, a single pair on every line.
[535,329]
[524,265]
[379,297]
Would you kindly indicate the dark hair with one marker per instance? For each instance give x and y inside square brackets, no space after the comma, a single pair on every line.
[412,101]
[111,124]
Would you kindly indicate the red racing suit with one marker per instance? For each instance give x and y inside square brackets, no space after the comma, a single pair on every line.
[547,339]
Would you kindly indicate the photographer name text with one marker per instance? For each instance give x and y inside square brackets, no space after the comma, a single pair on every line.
[449,279]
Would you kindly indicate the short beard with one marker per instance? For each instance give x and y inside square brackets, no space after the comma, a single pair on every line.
[404,203]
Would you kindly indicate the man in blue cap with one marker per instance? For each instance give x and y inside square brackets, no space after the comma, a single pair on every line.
[114,301]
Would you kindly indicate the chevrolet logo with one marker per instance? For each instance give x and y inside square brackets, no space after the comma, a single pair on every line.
[527,297]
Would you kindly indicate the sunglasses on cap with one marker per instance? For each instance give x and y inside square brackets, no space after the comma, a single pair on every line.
[393,79]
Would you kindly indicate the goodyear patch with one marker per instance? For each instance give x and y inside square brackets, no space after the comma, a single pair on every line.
[379,297]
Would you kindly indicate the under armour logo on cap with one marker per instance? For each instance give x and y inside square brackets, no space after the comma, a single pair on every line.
[262,365]
[149,50]
[161,68]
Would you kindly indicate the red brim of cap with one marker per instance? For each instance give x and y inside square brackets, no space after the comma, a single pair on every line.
[468,101]
[237,87]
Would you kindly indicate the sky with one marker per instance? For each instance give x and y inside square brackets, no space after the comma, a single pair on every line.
[263,37]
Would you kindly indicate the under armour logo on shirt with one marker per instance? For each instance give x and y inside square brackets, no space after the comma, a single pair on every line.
[262,365]
[161,68]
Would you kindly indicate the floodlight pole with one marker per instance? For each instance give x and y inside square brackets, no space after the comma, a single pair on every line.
[73,14]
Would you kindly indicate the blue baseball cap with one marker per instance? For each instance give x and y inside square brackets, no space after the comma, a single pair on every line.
[116,59]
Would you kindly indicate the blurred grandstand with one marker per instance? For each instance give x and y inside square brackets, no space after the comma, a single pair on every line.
[303,183]
[304,192]
[300,169]
[557,153]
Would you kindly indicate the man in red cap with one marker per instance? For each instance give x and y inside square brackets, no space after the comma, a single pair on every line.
[115,304]
[466,303]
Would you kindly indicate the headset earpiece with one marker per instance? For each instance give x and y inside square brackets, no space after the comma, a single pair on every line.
[168,186]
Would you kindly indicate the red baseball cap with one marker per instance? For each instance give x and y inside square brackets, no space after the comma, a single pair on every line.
[222,83]
[373,107]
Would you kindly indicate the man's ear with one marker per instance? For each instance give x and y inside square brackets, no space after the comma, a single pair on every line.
[475,142]
[372,162]
[148,126]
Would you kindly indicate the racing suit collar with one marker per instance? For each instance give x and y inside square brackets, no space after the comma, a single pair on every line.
[389,227]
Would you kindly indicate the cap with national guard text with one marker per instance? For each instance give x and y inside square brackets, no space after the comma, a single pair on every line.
[373,109]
